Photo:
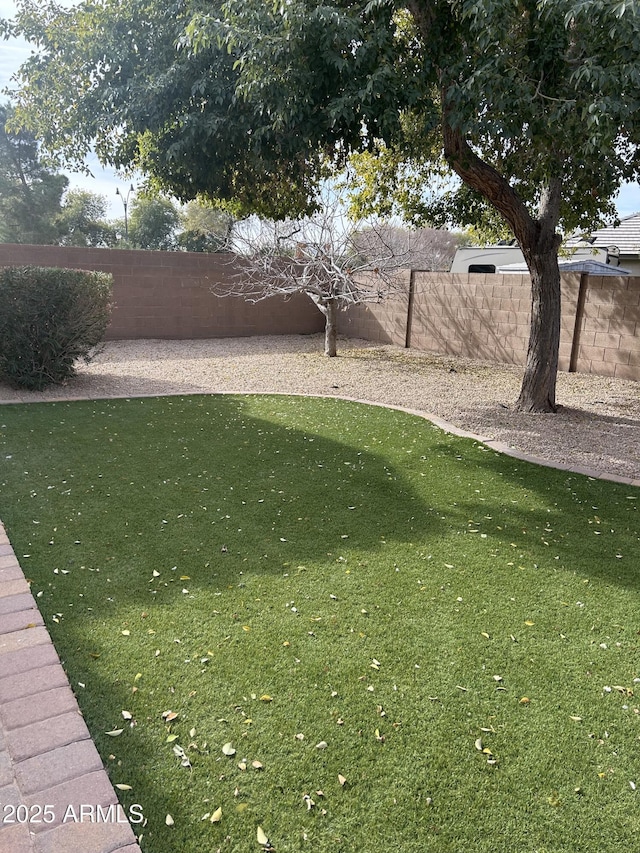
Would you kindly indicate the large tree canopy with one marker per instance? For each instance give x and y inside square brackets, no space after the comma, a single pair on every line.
[153,223]
[83,220]
[533,104]
[30,193]
[122,76]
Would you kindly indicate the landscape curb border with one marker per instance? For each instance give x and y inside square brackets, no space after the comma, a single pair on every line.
[445,426]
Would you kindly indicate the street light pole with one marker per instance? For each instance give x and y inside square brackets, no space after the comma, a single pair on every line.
[125,204]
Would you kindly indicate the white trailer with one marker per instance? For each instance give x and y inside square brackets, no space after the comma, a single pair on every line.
[509,259]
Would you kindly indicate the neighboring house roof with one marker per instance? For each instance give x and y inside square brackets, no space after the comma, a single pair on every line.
[626,236]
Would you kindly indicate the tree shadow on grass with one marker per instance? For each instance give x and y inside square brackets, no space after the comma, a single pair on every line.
[200,480]
[132,510]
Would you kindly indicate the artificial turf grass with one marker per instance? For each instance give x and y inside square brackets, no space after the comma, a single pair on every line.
[386,523]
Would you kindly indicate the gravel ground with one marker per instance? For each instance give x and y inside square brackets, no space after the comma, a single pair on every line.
[597,427]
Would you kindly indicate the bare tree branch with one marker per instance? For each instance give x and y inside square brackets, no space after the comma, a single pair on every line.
[429,249]
[320,256]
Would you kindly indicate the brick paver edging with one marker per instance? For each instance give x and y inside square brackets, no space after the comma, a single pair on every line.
[55,795]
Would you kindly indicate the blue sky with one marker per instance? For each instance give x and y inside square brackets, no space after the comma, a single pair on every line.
[105,181]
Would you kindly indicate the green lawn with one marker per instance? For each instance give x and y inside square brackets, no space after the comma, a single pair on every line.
[335,590]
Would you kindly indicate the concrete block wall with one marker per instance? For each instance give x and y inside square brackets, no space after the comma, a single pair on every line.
[167,294]
[479,316]
[569,302]
[488,317]
[610,328]
[384,322]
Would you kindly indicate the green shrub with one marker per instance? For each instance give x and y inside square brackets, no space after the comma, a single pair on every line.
[49,319]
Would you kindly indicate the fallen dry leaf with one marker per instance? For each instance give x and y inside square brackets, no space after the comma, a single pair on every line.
[169,716]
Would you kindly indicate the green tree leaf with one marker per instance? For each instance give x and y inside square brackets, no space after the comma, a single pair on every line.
[30,193]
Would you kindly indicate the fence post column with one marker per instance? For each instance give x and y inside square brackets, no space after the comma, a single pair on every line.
[577,328]
[412,290]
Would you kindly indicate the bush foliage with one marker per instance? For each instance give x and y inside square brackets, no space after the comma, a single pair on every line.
[50,319]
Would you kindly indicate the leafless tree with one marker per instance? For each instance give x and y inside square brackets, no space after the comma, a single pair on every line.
[316,256]
[425,249]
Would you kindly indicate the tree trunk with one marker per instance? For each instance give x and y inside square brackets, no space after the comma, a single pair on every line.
[330,328]
[538,391]
[329,307]
[540,246]
[539,243]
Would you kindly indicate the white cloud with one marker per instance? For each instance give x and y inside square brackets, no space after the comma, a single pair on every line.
[12,55]
[628,200]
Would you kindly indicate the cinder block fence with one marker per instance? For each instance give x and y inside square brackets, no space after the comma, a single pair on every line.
[488,317]
[167,295]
